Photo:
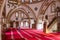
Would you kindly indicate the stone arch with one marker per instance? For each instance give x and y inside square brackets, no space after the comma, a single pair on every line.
[44,7]
[29,8]
[14,10]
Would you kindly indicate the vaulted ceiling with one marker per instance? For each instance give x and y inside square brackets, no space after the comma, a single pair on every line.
[42,9]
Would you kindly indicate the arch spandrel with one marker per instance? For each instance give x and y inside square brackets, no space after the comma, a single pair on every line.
[27,9]
[10,13]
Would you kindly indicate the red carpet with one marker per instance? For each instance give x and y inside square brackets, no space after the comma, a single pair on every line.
[29,34]
[16,35]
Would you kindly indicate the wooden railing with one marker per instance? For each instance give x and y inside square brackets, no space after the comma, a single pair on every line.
[52,21]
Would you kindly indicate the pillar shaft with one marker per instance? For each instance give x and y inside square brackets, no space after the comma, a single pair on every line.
[58,24]
[1,10]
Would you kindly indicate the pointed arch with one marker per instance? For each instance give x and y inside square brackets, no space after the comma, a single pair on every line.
[14,10]
[29,8]
[44,7]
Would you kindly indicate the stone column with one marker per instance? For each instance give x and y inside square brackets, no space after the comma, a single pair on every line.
[19,23]
[0,30]
[34,26]
[58,19]
[44,28]
[24,24]
[58,22]
[1,10]
[29,25]
[14,25]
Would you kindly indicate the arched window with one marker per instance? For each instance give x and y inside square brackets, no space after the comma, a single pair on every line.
[23,0]
[17,14]
[32,21]
[3,20]
[27,24]
[30,1]
[21,24]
